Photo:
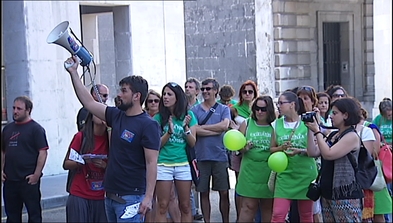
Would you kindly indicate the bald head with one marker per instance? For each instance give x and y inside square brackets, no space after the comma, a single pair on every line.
[103,92]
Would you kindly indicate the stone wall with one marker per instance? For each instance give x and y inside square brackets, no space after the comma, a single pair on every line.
[220,40]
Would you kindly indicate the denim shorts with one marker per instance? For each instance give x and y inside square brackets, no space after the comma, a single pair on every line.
[115,210]
[174,172]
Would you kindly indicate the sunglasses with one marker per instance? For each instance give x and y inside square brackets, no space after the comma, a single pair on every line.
[338,95]
[248,91]
[153,100]
[282,102]
[104,95]
[206,88]
[257,108]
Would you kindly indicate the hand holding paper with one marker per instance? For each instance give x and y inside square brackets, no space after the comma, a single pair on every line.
[74,156]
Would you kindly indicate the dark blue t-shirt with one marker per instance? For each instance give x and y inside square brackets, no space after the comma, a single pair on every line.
[126,170]
[22,143]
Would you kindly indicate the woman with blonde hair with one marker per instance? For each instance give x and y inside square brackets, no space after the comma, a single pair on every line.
[151,102]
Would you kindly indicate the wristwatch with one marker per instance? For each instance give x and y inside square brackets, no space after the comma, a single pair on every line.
[187,132]
[237,153]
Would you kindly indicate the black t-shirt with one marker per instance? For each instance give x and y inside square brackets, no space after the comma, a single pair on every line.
[81,118]
[22,143]
[126,170]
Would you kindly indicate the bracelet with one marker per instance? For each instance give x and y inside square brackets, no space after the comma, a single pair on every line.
[170,133]
[319,132]
[187,132]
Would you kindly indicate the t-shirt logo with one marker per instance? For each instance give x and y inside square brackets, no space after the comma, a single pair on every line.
[127,135]
[14,139]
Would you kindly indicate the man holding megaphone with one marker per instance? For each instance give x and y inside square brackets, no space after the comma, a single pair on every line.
[131,172]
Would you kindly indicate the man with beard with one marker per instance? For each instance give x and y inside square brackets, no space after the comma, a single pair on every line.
[210,151]
[23,154]
[100,96]
[192,90]
[131,172]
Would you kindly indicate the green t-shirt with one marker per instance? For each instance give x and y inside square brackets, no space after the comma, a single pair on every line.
[173,153]
[385,126]
[254,170]
[301,171]
[244,110]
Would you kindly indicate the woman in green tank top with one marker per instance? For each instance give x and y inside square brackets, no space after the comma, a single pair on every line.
[292,184]
[254,171]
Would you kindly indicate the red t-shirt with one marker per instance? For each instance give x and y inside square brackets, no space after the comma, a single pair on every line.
[87,182]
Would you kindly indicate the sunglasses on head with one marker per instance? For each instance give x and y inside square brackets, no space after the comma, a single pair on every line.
[173,84]
[306,88]
[257,108]
[206,88]
[248,91]
[153,100]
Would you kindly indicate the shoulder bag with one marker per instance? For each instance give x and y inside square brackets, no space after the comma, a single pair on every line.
[385,156]
[190,151]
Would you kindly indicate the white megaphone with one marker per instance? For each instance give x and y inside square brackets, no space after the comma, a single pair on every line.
[62,35]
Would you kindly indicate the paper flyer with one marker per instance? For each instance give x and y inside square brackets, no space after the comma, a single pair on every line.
[130,211]
[74,155]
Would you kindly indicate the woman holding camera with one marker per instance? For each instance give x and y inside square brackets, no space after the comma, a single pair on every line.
[341,196]
[292,184]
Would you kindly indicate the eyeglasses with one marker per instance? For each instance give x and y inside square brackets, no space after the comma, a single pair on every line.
[104,95]
[153,100]
[248,91]
[282,102]
[262,109]
[338,95]
[206,88]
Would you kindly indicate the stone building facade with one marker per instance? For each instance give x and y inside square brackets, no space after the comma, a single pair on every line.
[280,44]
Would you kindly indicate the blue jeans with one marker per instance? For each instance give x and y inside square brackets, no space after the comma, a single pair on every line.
[115,210]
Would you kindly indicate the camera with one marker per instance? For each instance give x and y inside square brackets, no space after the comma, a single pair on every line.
[308,116]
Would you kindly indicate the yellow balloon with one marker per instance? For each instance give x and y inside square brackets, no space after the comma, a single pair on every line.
[234,140]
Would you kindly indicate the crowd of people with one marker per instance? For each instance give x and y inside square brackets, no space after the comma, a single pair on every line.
[143,172]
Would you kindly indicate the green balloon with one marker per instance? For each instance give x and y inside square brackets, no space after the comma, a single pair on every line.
[278,162]
[234,140]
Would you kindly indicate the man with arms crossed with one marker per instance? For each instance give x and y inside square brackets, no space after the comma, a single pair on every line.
[131,173]
[23,154]
[210,151]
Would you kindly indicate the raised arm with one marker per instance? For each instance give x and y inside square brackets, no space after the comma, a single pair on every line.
[84,96]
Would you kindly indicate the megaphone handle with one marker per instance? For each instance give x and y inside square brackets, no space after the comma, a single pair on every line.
[68,65]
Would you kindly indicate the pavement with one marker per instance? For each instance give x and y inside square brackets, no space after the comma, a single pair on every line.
[54,195]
